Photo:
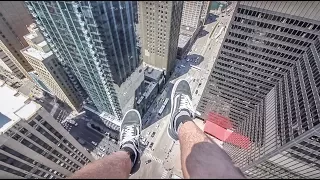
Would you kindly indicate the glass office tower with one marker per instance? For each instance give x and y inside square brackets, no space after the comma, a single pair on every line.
[96,41]
[268,75]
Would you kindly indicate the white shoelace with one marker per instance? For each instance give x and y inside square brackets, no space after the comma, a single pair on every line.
[128,133]
[186,103]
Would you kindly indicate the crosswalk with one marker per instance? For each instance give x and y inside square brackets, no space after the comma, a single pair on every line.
[164,174]
[153,157]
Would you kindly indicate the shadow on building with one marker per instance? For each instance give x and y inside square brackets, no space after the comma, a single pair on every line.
[202,33]
[211,18]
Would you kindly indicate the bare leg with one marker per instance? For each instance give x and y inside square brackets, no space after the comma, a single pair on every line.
[117,165]
[201,157]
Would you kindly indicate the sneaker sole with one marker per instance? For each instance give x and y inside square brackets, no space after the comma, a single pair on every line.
[170,130]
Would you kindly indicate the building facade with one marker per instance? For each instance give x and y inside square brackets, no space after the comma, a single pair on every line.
[8,65]
[32,143]
[96,42]
[205,11]
[268,75]
[191,13]
[12,29]
[193,18]
[48,68]
[159,28]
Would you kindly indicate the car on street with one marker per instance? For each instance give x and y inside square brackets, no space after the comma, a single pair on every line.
[196,91]
[143,140]
[94,143]
[148,133]
[153,133]
[148,161]
[157,125]
[151,144]
[102,149]
[81,141]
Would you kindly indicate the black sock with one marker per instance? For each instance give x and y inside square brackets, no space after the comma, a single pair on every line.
[181,120]
[130,151]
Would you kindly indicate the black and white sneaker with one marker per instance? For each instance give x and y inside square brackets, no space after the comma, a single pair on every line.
[181,105]
[130,130]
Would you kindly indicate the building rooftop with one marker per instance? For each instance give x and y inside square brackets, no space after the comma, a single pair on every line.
[185,35]
[30,36]
[152,73]
[186,30]
[42,44]
[36,53]
[150,88]
[18,107]
[24,85]
[183,40]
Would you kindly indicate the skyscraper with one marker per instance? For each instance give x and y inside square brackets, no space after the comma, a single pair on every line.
[32,143]
[14,18]
[191,23]
[205,11]
[268,74]
[49,69]
[96,42]
[159,26]
[191,13]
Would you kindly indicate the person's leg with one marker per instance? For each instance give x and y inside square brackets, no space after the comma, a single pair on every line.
[118,164]
[200,157]
[203,158]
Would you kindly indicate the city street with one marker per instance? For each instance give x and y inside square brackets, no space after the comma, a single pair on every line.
[165,152]
[80,131]
[93,141]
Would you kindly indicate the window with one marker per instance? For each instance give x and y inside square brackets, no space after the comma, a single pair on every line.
[17,154]
[12,171]
[14,162]
[38,117]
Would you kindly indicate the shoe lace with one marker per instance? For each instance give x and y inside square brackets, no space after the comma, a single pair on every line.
[128,133]
[186,103]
